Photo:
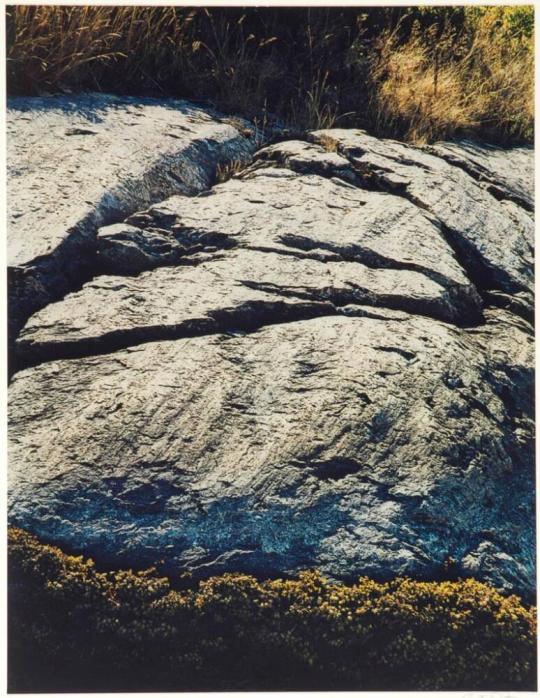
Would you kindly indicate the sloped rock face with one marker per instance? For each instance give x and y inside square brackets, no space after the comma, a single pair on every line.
[75,164]
[491,234]
[325,361]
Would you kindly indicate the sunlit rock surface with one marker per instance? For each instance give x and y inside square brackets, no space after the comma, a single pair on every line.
[325,361]
[76,163]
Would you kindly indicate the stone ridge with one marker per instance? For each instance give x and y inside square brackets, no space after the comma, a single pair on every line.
[248,245]
[75,164]
[493,235]
[324,361]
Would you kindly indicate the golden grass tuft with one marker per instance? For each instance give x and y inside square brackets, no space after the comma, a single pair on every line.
[419,74]
[436,85]
[228,170]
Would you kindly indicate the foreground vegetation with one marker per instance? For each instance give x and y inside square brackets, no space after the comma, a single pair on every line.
[414,73]
[73,628]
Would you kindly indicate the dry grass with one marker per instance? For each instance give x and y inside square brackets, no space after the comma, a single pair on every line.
[56,47]
[229,170]
[328,143]
[419,74]
[414,94]
[436,86]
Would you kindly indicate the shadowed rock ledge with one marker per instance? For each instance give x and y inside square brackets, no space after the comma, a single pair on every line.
[325,361]
[77,163]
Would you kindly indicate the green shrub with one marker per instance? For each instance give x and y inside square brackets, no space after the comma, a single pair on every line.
[78,629]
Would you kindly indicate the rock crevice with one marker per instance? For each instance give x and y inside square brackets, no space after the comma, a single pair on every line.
[325,361]
[477,225]
[66,180]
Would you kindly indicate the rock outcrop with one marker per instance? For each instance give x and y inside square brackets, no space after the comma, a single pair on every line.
[78,163]
[324,361]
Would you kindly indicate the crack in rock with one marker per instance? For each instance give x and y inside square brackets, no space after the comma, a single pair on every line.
[126,249]
[489,166]
[470,309]
[246,317]
[54,218]
[356,294]
[238,289]
[492,245]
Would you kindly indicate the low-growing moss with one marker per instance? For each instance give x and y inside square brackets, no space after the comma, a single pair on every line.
[73,628]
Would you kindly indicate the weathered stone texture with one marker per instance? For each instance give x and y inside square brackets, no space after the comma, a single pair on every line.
[325,361]
[77,163]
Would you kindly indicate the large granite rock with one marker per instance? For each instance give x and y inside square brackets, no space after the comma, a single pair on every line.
[492,234]
[75,164]
[255,248]
[325,361]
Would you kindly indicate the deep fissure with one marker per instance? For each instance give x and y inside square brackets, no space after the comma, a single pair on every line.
[27,354]
[492,188]
[475,269]
[242,320]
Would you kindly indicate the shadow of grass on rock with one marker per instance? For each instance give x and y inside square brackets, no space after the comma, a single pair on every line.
[122,522]
[72,628]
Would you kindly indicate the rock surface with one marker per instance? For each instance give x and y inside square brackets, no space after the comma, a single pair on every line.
[75,164]
[324,361]
[489,166]
[490,233]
